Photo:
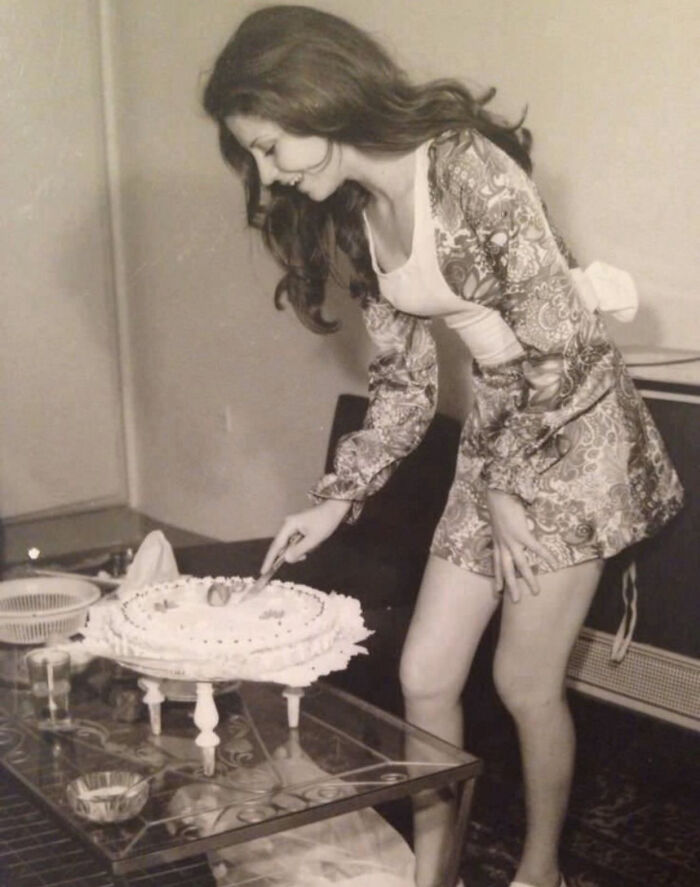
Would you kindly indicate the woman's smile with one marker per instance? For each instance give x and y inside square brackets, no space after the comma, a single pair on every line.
[309,163]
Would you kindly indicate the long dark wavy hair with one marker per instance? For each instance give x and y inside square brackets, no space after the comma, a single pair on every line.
[313,73]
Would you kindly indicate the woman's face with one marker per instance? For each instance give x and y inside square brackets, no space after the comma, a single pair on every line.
[310,163]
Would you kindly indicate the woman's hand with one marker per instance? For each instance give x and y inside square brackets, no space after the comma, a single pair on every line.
[511,539]
[314,525]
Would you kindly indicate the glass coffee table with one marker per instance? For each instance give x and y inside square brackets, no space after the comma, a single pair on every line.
[345,755]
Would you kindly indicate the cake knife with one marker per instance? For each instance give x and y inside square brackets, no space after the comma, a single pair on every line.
[218,594]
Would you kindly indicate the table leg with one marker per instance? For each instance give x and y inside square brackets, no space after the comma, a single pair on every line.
[153,697]
[293,696]
[460,832]
[206,717]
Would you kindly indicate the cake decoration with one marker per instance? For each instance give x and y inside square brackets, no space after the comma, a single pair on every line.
[290,633]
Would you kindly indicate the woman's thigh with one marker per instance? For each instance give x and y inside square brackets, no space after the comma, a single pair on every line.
[538,632]
[453,608]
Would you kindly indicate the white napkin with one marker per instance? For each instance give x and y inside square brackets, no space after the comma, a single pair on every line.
[357,849]
[608,289]
[154,562]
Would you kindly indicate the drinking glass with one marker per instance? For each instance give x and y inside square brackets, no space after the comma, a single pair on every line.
[49,680]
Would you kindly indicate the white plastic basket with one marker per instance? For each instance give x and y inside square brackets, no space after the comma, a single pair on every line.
[36,608]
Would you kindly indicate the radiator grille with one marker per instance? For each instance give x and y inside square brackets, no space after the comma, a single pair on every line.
[647,679]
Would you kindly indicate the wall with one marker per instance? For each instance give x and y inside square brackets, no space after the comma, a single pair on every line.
[611,98]
[233,399]
[61,424]
[228,400]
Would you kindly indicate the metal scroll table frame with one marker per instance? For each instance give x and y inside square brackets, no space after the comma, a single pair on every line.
[328,716]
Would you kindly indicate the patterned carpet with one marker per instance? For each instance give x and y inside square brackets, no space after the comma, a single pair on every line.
[634,819]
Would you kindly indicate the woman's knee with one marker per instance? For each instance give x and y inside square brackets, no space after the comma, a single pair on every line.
[421,681]
[414,674]
[526,691]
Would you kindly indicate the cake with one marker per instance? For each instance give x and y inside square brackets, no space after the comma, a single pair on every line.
[283,626]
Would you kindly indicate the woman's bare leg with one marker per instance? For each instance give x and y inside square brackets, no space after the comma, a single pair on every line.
[536,638]
[452,611]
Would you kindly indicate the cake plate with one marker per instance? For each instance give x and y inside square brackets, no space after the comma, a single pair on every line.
[100,639]
[157,680]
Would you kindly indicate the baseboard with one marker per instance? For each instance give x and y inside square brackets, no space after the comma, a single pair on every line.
[650,680]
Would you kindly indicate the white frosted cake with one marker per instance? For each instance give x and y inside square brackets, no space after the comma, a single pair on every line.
[287,624]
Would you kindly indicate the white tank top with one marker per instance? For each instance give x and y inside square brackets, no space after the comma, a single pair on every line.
[418,287]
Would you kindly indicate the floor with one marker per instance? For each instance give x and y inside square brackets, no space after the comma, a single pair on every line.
[634,817]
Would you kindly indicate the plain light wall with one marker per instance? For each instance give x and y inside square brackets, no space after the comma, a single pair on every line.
[231,400]
[60,419]
[611,92]
[234,399]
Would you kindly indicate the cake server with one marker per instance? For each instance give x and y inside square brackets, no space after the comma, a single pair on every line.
[219,594]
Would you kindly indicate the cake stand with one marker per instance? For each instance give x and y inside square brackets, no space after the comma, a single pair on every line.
[156,675]
[157,680]
[99,639]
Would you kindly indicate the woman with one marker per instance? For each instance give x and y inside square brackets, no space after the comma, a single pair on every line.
[559,465]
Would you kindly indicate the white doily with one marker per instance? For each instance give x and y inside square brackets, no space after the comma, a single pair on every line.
[98,641]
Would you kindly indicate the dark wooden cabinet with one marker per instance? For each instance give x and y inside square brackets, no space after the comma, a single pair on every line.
[658,670]
[668,565]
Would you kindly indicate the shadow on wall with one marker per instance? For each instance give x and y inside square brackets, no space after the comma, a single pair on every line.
[646,327]
[233,399]
[227,389]
[221,378]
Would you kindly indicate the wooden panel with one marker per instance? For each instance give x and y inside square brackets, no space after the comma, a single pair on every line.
[668,566]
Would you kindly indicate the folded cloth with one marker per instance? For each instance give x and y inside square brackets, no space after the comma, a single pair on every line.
[154,562]
[356,849]
[603,287]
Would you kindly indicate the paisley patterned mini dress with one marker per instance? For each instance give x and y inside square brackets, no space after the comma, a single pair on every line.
[556,419]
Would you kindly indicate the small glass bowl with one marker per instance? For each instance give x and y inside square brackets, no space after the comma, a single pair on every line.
[100,796]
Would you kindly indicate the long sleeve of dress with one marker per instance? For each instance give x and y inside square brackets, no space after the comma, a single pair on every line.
[402,400]
[513,262]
